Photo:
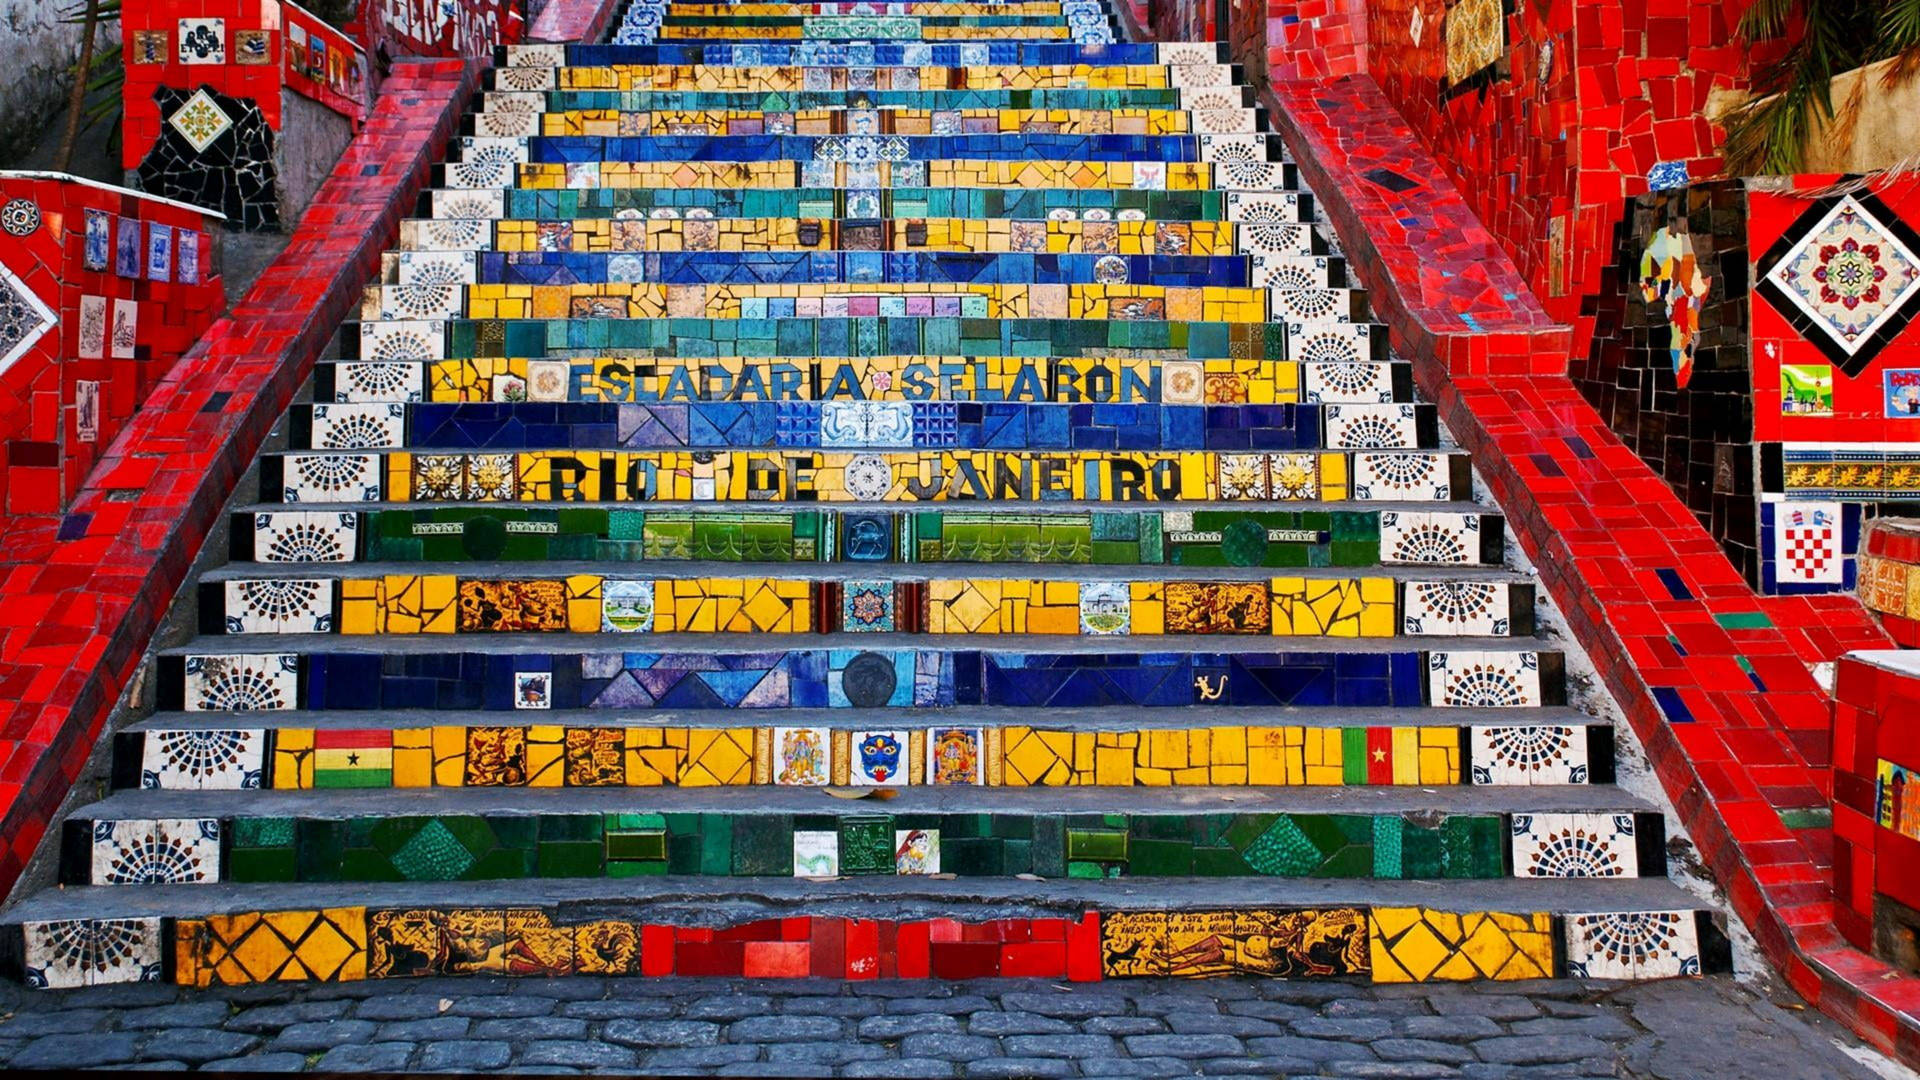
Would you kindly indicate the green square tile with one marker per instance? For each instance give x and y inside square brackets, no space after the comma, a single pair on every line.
[571,859]
[1159,858]
[762,845]
[262,864]
[866,844]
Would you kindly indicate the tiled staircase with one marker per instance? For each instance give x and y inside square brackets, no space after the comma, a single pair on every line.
[944,409]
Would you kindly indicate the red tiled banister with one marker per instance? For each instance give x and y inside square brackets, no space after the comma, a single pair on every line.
[1714,678]
[74,624]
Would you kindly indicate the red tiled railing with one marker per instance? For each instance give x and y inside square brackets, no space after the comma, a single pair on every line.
[74,625]
[1714,678]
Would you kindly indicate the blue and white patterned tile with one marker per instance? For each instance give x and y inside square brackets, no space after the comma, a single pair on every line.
[1483,680]
[1529,755]
[203,759]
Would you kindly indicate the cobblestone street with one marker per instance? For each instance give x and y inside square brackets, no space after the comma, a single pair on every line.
[1674,1030]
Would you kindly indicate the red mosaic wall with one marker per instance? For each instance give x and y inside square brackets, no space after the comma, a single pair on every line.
[1876,697]
[1861,407]
[429,28]
[1582,100]
[118,325]
[77,614]
[261,45]
[1306,39]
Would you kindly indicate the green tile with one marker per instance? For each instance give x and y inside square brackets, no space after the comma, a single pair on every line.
[866,844]
[1219,862]
[762,845]
[1159,858]
[1098,844]
[971,857]
[639,844]
[262,864]
[571,859]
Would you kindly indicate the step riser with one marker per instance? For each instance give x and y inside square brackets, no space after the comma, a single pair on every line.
[854,678]
[1338,607]
[1226,429]
[425,339]
[511,119]
[285,758]
[628,300]
[955,476]
[901,379]
[1024,203]
[204,851]
[349,944]
[1201,538]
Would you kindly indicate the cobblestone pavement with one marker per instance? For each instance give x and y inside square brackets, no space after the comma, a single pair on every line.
[1676,1030]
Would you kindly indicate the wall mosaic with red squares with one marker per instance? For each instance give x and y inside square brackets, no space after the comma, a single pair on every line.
[101,291]
[203,96]
[1876,791]
[433,28]
[76,617]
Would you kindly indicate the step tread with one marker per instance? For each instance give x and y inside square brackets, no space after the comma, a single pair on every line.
[722,901]
[1092,718]
[571,643]
[864,571]
[138,803]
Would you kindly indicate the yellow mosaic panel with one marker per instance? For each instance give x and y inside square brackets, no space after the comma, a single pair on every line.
[782,175]
[909,476]
[1326,607]
[733,605]
[1424,945]
[1203,944]
[327,945]
[617,122]
[711,77]
[983,235]
[645,301]
[885,378]
[293,758]
[1228,755]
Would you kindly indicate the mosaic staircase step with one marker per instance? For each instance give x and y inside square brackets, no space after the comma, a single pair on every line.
[426,426]
[862,149]
[435,339]
[930,98]
[897,927]
[524,117]
[764,71]
[738,671]
[1201,538]
[1092,204]
[359,835]
[300,750]
[847,60]
[1258,177]
[640,300]
[1308,480]
[1050,236]
[871,381]
[1373,606]
[1293,269]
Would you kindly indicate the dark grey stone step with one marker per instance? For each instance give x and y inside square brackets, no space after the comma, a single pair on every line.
[729,901]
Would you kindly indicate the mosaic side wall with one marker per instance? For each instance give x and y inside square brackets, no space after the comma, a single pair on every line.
[1836,371]
[390,28]
[204,107]
[1667,365]
[101,291]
